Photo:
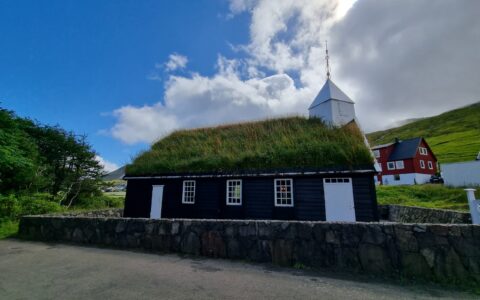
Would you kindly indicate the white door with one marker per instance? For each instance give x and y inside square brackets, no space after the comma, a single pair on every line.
[339,205]
[157,197]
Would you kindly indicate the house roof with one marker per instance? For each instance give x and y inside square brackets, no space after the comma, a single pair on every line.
[330,91]
[381,146]
[405,149]
[294,143]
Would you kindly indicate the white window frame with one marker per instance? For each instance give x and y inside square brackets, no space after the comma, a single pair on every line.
[423,150]
[337,180]
[422,164]
[277,183]
[231,198]
[376,153]
[430,165]
[399,165]
[188,196]
[392,166]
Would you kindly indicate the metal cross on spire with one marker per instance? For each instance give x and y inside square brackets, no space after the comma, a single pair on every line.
[327,58]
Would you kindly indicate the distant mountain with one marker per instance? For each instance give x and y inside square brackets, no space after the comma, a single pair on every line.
[453,136]
[115,175]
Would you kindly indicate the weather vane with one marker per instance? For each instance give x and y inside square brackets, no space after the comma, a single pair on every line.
[327,58]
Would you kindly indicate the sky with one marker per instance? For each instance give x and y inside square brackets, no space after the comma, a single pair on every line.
[127,73]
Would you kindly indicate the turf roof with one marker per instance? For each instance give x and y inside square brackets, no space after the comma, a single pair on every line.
[292,143]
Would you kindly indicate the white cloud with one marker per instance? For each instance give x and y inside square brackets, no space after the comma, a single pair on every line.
[175,62]
[396,59]
[107,165]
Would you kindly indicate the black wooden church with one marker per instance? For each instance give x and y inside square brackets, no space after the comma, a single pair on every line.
[317,168]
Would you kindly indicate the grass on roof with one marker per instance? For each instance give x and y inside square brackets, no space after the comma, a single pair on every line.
[285,143]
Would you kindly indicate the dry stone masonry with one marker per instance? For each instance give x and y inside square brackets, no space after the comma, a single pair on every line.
[439,252]
[412,214]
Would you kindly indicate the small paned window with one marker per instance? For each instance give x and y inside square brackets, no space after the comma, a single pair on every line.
[376,153]
[283,192]
[423,150]
[422,164]
[399,164]
[391,165]
[188,195]
[234,192]
[430,165]
[337,180]
[396,177]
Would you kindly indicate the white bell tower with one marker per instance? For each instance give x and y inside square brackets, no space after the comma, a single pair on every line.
[331,104]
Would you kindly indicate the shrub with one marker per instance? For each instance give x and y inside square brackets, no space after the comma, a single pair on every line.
[99,202]
[14,206]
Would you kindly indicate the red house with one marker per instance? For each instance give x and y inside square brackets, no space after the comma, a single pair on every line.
[405,162]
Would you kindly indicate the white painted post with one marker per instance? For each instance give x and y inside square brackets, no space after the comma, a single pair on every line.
[474,205]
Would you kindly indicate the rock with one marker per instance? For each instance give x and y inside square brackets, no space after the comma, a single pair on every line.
[191,244]
[175,228]
[374,259]
[213,244]
[414,265]
[282,252]
[121,227]
[429,256]
[77,235]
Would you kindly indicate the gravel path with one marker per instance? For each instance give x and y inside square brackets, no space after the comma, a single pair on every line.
[33,270]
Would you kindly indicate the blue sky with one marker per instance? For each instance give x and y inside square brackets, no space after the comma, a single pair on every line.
[73,62]
[127,73]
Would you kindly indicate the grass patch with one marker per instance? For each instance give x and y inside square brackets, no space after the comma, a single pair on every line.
[284,143]
[427,195]
[453,136]
[8,228]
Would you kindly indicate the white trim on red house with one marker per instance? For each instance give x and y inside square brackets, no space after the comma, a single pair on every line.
[409,178]
[430,165]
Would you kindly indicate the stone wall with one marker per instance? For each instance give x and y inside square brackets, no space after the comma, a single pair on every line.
[412,214]
[427,251]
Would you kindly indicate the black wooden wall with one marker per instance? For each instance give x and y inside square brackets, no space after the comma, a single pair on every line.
[257,199]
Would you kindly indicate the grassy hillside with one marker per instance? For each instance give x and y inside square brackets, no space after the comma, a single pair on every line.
[426,195]
[454,135]
[294,142]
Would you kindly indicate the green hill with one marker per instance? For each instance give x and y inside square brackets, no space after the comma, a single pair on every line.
[453,136]
[294,142]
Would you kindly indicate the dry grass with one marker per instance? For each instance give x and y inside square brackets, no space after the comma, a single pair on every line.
[285,143]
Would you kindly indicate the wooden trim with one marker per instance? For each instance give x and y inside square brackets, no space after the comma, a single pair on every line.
[183,191]
[275,192]
[241,192]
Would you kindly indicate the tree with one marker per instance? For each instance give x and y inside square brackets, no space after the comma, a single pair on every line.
[41,158]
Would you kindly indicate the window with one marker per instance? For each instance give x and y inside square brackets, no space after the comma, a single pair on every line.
[430,165]
[188,195]
[391,165]
[423,150]
[234,192]
[396,177]
[283,192]
[399,164]
[422,164]
[337,180]
[376,153]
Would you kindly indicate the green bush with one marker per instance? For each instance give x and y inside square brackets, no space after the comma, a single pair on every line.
[14,206]
[100,202]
